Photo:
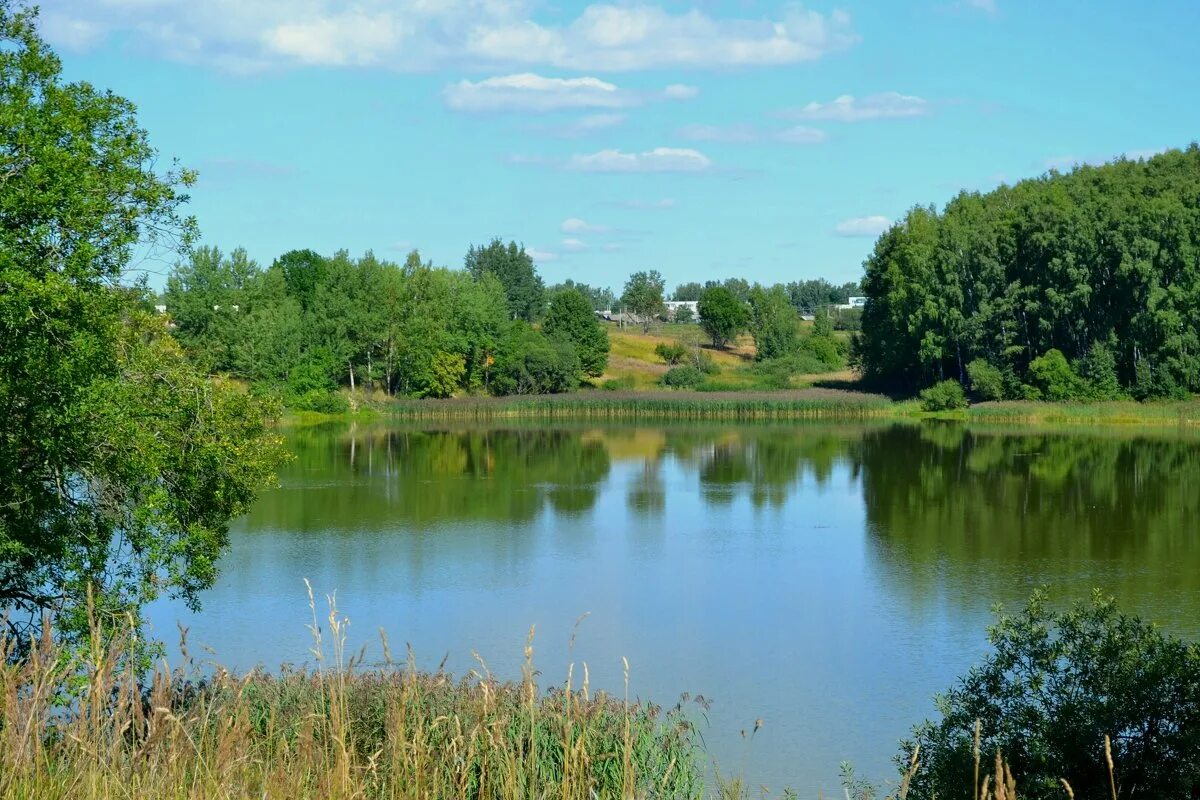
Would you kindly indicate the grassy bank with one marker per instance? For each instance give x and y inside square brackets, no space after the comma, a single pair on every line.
[801,404]
[811,404]
[84,727]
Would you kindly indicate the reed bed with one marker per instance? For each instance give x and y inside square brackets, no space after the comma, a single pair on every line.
[1128,412]
[82,725]
[802,404]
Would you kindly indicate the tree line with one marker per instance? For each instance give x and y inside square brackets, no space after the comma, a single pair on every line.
[1083,285]
[308,324]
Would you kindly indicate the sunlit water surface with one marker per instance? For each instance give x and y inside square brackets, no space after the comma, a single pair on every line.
[828,579]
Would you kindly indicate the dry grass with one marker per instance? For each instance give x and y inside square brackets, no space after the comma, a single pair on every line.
[85,727]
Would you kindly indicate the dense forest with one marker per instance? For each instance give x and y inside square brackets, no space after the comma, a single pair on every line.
[309,324]
[1083,285]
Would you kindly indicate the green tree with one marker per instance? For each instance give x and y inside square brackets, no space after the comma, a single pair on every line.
[722,315]
[572,319]
[774,323]
[687,291]
[206,299]
[684,316]
[121,465]
[517,273]
[1056,684]
[643,297]
[303,271]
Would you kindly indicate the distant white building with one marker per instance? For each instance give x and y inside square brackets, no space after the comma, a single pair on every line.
[855,302]
[673,307]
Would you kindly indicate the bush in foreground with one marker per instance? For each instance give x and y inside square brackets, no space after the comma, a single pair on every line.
[332,733]
[1058,683]
[945,396]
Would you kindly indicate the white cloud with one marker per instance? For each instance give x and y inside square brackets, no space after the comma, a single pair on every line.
[660,159]
[573,245]
[748,134]
[847,108]
[863,226]
[528,91]
[801,134]
[576,225]
[680,91]
[541,255]
[250,35]
[352,37]
[986,6]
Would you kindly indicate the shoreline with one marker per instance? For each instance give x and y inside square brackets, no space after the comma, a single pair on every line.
[797,404]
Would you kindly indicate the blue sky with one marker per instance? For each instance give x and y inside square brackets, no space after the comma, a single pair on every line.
[766,140]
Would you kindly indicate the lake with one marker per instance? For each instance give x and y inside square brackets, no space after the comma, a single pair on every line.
[826,578]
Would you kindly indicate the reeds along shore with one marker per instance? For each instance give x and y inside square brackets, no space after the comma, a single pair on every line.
[803,404]
[83,726]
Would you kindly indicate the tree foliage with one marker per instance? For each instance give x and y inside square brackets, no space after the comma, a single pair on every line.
[722,315]
[1057,683]
[571,319]
[774,323]
[121,465]
[1102,255]
[643,297]
[515,270]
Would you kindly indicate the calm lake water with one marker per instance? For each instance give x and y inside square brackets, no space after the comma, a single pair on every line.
[828,579]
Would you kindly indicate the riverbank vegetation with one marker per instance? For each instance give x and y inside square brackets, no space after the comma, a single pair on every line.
[1086,704]
[1080,286]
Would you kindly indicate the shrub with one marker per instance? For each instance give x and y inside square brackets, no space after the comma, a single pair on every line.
[1098,369]
[683,377]
[684,315]
[704,362]
[1054,686]
[572,320]
[671,352]
[945,396]
[321,400]
[617,384]
[530,363]
[987,381]
[1053,376]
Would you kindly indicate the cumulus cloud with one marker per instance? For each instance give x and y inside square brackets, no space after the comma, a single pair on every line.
[527,91]
[541,255]
[573,245]
[242,36]
[576,225]
[863,226]
[660,159]
[847,108]
[748,134]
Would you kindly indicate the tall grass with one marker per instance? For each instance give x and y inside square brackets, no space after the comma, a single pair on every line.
[805,404]
[84,726]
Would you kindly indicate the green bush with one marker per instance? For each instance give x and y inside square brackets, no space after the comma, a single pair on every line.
[704,362]
[326,402]
[617,384]
[683,377]
[1098,369]
[671,352]
[987,380]
[1052,375]
[1055,684]
[530,363]
[945,396]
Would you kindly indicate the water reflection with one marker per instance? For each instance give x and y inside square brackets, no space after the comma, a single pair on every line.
[828,578]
